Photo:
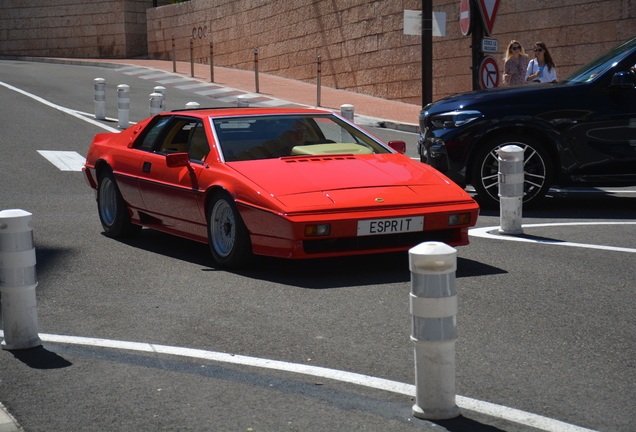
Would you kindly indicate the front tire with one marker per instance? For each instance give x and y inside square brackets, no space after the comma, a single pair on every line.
[113,213]
[537,168]
[228,237]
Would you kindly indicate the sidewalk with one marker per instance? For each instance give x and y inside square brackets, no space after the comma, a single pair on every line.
[391,114]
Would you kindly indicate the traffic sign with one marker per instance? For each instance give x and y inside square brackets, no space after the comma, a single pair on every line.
[488,73]
[488,9]
[465,17]
[489,45]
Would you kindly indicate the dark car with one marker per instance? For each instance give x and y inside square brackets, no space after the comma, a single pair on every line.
[580,131]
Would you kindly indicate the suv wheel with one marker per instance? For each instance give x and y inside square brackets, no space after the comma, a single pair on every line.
[537,170]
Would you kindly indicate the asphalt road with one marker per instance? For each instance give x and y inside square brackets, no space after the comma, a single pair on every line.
[543,327]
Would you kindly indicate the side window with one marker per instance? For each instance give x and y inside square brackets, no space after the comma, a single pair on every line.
[147,140]
[177,136]
[199,146]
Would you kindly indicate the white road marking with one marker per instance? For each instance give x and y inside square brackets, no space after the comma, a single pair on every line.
[64,160]
[68,111]
[510,414]
[486,232]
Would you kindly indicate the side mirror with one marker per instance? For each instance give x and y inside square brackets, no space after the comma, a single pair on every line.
[622,80]
[174,160]
[398,146]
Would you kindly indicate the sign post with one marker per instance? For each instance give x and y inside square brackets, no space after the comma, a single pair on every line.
[482,67]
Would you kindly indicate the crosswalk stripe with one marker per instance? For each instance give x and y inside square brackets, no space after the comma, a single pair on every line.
[64,160]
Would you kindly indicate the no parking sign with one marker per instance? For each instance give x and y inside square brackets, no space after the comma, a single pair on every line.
[488,73]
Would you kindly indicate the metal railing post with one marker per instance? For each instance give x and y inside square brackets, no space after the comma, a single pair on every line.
[319,73]
[211,62]
[256,68]
[192,57]
[174,59]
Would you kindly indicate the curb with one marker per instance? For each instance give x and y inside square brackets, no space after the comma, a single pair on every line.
[7,422]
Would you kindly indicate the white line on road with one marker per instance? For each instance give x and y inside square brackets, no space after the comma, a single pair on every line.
[510,414]
[486,232]
[64,160]
[68,111]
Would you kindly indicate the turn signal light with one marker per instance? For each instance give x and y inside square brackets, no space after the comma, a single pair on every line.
[317,230]
[459,219]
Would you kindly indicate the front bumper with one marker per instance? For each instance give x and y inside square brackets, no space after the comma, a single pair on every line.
[434,153]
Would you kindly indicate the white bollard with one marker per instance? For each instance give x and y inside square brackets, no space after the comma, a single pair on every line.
[511,179]
[162,91]
[243,101]
[347,111]
[155,103]
[18,281]
[192,105]
[434,330]
[123,105]
[100,98]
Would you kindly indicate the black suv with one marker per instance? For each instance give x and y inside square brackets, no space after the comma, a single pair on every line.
[580,131]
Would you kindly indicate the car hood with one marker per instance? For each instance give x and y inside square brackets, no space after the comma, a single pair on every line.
[350,181]
[525,94]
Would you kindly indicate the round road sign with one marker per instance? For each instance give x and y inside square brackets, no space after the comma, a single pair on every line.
[465,18]
[488,73]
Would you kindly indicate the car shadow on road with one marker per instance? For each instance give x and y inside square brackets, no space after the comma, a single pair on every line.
[318,273]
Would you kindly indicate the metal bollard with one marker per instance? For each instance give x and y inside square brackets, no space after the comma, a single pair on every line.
[318,79]
[192,105]
[256,68]
[18,281]
[155,103]
[192,57]
[243,101]
[174,60]
[123,105]
[211,62]
[511,179]
[162,90]
[347,111]
[434,330]
[100,98]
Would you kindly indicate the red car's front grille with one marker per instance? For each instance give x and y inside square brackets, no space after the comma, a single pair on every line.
[403,240]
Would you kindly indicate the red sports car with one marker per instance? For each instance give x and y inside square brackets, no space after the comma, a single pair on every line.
[292,183]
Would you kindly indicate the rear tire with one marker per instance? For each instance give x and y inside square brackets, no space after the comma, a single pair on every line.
[112,209]
[537,170]
[228,237]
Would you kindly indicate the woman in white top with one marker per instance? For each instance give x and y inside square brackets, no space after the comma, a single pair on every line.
[541,68]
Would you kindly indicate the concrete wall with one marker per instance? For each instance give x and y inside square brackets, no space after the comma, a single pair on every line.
[74,28]
[362,45]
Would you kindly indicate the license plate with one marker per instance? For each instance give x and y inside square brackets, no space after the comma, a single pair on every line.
[390,226]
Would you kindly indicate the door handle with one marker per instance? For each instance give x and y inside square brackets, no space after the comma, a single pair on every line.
[146,167]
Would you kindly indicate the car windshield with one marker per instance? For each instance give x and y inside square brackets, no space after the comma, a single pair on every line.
[591,70]
[273,136]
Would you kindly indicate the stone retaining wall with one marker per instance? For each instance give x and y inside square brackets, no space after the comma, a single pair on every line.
[74,28]
[362,44]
